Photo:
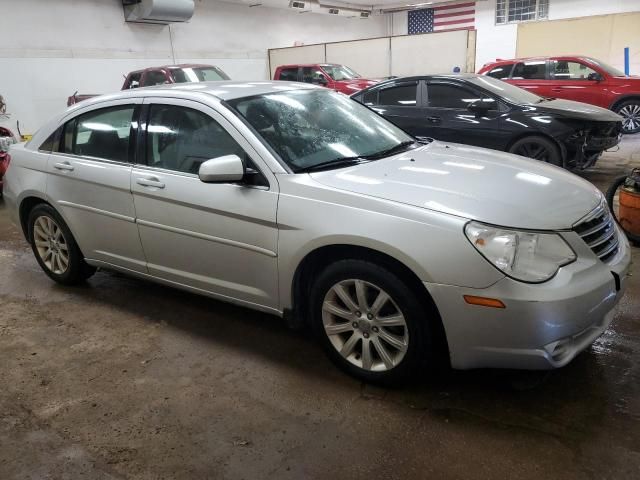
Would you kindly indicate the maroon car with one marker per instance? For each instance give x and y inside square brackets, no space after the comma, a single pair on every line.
[148,77]
[336,77]
[6,138]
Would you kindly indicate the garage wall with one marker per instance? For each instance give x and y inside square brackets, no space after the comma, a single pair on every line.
[51,49]
[500,41]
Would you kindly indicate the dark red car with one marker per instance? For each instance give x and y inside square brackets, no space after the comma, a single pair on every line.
[6,138]
[579,78]
[148,77]
[336,77]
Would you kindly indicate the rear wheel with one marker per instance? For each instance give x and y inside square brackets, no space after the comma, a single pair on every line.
[630,113]
[55,248]
[538,148]
[370,322]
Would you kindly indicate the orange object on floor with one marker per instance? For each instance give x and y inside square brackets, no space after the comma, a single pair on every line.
[629,214]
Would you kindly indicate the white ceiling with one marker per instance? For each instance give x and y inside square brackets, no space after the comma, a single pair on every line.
[357,4]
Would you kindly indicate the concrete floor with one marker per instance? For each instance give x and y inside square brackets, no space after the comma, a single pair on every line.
[126,379]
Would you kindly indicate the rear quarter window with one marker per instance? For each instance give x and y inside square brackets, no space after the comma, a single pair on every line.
[501,71]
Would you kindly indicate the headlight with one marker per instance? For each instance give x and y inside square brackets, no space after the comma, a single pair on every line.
[526,256]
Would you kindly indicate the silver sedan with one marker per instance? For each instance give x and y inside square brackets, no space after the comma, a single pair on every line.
[300,202]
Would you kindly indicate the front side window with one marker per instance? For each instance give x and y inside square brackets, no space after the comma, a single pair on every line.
[307,128]
[198,74]
[289,74]
[181,139]
[503,71]
[399,96]
[533,70]
[512,11]
[155,77]
[102,133]
[313,75]
[340,72]
[568,70]
[450,96]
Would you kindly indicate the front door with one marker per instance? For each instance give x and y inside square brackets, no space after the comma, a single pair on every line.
[449,119]
[577,81]
[89,184]
[218,238]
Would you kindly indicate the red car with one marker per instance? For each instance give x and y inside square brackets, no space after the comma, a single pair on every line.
[6,139]
[148,77]
[583,79]
[336,77]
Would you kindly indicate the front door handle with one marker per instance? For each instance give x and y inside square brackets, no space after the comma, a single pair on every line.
[557,89]
[150,182]
[434,119]
[63,166]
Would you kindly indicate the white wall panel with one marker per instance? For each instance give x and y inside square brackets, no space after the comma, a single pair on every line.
[370,58]
[429,53]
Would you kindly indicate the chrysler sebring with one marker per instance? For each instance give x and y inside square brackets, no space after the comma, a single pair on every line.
[297,201]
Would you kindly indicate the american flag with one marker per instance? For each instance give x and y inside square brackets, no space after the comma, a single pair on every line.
[454,16]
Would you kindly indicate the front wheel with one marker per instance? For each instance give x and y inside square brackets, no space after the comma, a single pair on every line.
[538,148]
[371,323]
[55,248]
[630,113]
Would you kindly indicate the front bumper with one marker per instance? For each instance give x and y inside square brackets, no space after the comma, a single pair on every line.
[544,325]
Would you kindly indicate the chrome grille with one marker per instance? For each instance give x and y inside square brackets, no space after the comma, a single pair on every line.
[599,232]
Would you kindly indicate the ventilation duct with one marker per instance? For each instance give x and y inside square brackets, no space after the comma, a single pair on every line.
[158,11]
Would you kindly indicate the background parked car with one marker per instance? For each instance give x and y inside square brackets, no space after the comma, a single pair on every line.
[583,79]
[148,77]
[336,77]
[486,112]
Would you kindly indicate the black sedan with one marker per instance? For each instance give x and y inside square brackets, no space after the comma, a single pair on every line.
[486,112]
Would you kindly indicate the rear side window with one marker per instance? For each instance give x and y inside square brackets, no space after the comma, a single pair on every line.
[51,143]
[155,77]
[134,80]
[530,71]
[102,133]
[450,96]
[370,98]
[181,139]
[400,95]
[289,74]
[501,71]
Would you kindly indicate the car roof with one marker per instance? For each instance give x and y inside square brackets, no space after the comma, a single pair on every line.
[322,64]
[444,76]
[173,67]
[222,90]
[530,59]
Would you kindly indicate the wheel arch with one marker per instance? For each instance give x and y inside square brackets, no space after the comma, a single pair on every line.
[27,204]
[314,261]
[624,98]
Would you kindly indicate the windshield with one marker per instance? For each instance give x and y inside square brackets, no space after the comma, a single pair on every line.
[509,92]
[198,74]
[340,72]
[614,72]
[312,127]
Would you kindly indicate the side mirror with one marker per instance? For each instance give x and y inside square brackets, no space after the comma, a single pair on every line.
[594,77]
[225,169]
[481,107]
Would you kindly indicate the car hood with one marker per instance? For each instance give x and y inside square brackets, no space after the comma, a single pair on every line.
[474,183]
[578,110]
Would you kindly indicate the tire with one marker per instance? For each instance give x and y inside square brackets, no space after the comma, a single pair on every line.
[55,248]
[610,196]
[630,112]
[538,148]
[413,347]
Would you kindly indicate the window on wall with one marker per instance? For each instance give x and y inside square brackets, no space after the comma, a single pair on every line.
[510,11]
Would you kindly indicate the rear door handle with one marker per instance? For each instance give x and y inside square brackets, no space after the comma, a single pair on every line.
[150,182]
[434,119]
[63,166]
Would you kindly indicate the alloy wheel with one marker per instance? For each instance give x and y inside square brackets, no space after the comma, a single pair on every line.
[51,245]
[630,117]
[365,325]
[534,150]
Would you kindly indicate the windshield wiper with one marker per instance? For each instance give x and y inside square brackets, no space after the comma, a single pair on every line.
[335,163]
[402,146]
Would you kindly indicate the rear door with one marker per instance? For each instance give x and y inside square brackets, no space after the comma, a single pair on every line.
[89,183]
[289,74]
[575,80]
[532,75]
[399,103]
[449,119]
[218,238]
